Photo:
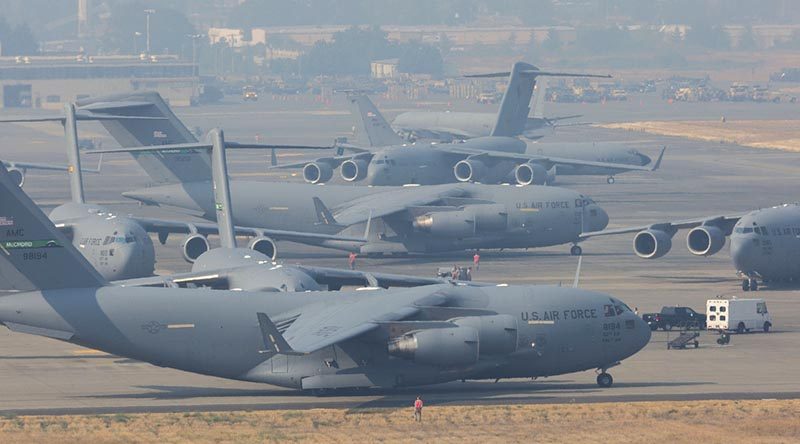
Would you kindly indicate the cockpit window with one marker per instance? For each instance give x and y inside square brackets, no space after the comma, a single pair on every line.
[748,230]
[608,310]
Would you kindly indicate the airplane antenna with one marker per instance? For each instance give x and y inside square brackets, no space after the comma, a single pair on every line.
[577,280]
[222,193]
[73,156]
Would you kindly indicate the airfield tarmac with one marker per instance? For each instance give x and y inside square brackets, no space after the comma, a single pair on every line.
[697,179]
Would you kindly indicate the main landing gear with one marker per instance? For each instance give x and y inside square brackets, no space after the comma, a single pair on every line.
[749,284]
[576,250]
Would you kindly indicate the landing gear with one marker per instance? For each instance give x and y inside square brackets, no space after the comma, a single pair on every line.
[576,250]
[749,284]
[604,380]
[611,180]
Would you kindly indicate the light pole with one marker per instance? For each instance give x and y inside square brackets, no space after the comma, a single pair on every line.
[149,12]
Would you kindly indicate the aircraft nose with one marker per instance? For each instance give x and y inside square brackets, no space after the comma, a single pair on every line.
[597,220]
[642,336]
[743,253]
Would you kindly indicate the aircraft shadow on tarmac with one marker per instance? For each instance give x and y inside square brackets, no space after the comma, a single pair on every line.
[452,392]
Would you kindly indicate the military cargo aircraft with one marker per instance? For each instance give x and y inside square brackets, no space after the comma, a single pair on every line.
[231,267]
[765,243]
[316,341]
[492,159]
[512,118]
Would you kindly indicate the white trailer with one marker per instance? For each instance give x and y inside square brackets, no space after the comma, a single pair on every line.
[740,315]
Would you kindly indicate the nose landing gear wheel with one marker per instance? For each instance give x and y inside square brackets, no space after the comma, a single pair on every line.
[753,285]
[576,250]
[611,180]
[745,284]
[604,380]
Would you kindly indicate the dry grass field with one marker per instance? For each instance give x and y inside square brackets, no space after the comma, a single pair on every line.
[773,134]
[702,421]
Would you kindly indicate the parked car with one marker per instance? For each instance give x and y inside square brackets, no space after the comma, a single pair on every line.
[671,317]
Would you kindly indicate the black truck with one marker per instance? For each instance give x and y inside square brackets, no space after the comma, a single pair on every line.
[675,317]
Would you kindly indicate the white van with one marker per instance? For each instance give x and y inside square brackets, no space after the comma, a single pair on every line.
[741,315]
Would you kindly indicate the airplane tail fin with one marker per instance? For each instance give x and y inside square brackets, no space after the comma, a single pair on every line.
[371,126]
[165,128]
[539,94]
[34,255]
[515,106]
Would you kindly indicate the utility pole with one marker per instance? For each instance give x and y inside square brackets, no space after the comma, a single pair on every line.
[149,12]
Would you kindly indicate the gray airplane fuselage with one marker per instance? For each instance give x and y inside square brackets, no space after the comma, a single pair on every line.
[766,243]
[464,125]
[115,245]
[557,331]
[426,164]
[522,217]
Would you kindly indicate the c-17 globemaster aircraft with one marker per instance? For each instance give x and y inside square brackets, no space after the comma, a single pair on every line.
[230,267]
[511,119]
[316,341]
[765,243]
[491,159]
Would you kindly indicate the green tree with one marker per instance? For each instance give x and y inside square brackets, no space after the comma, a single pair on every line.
[17,40]
[168,29]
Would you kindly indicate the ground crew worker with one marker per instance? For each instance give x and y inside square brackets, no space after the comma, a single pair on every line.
[418,409]
[469,273]
[476,260]
[454,273]
[351,260]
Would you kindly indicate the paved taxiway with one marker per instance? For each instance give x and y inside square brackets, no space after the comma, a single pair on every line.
[39,375]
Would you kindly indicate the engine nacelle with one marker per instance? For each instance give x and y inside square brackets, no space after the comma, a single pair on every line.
[497,334]
[530,174]
[193,246]
[652,244]
[464,222]
[442,347]
[317,172]
[265,246]
[17,176]
[354,170]
[705,240]
[470,170]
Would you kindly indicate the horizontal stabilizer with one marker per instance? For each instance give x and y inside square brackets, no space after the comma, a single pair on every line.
[273,339]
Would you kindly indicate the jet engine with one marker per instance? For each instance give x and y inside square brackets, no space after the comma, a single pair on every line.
[464,222]
[470,170]
[354,170]
[531,173]
[265,246]
[497,334]
[442,347]
[193,246]
[705,240]
[17,176]
[652,244]
[317,172]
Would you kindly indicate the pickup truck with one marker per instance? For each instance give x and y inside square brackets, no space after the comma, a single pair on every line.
[681,317]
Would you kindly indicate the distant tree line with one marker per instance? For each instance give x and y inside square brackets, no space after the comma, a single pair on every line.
[351,51]
[17,40]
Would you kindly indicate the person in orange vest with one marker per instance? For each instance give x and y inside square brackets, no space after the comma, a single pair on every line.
[476,260]
[351,260]
[418,409]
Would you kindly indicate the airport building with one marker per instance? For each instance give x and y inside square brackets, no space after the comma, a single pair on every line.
[50,81]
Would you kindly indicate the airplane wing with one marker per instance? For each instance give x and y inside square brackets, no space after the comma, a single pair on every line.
[165,227]
[549,161]
[384,204]
[331,277]
[725,223]
[335,320]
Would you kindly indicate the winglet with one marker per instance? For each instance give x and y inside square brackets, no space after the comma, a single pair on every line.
[658,161]
[273,339]
[324,215]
